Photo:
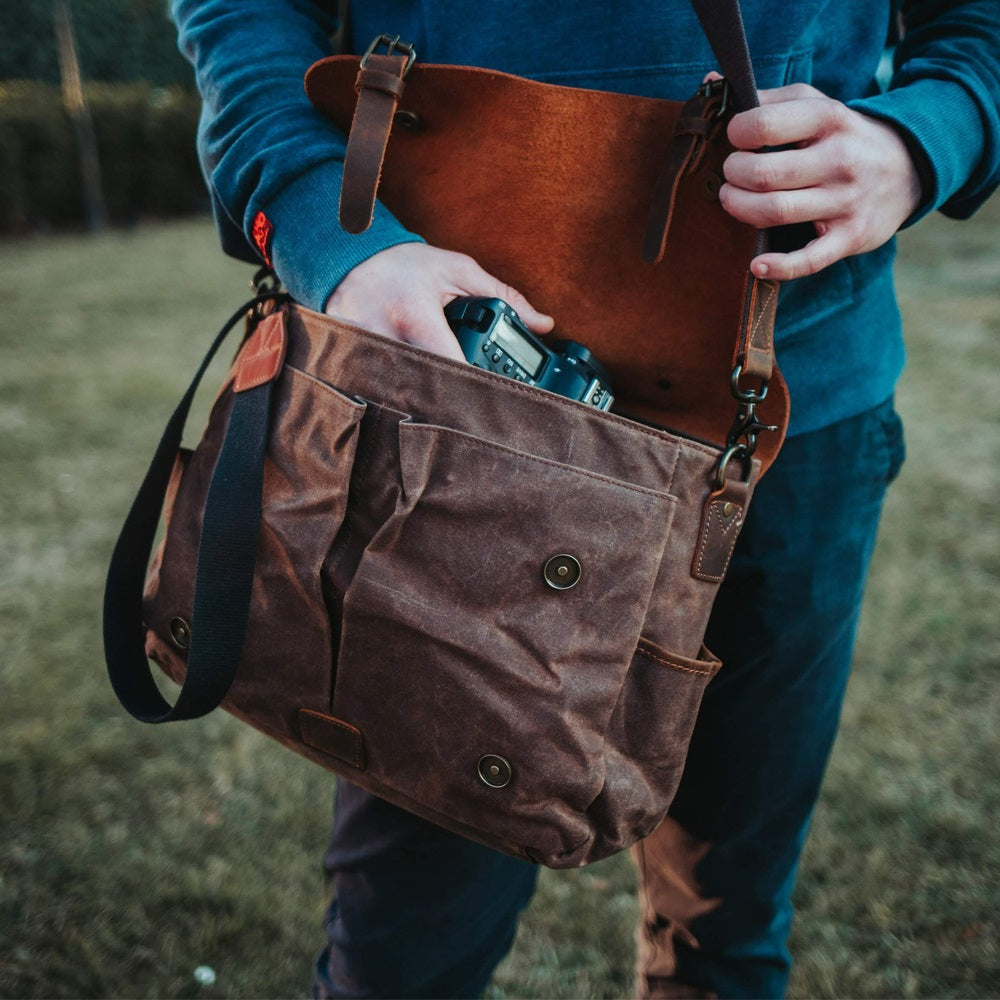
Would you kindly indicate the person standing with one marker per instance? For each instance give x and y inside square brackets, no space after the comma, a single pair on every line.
[840,166]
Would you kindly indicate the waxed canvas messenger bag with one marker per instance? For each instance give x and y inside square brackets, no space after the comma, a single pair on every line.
[480,600]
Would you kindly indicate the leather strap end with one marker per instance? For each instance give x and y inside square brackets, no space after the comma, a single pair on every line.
[379,85]
[721,521]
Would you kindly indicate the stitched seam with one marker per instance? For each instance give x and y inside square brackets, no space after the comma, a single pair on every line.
[673,664]
[673,470]
[765,308]
[712,514]
[427,428]
[339,396]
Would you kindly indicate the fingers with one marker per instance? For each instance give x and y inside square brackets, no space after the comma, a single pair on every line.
[780,171]
[782,208]
[419,320]
[826,249]
[480,282]
[785,119]
[401,293]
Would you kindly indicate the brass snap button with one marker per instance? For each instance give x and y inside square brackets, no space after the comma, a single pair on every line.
[562,572]
[494,771]
[180,632]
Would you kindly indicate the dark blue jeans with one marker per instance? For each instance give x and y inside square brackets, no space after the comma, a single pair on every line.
[419,912]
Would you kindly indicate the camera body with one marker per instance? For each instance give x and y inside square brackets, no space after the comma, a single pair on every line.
[492,336]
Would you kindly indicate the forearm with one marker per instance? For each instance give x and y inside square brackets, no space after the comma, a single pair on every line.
[944,98]
[266,152]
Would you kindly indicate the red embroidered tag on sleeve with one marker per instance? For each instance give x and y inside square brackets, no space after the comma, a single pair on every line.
[262,232]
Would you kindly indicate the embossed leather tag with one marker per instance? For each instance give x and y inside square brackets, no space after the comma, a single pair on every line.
[263,354]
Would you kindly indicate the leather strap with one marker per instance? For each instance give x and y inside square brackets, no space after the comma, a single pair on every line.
[755,350]
[379,86]
[698,122]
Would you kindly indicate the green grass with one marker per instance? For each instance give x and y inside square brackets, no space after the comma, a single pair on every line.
[130,855]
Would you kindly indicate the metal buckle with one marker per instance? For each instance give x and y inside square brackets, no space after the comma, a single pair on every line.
[710,88]
[392,44]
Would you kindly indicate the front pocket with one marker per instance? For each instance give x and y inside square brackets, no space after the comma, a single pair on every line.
[465,640]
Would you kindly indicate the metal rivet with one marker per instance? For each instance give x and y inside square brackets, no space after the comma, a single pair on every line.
[713,182]
[727,508]
[180,632]
[494,771]
[562,572]
[409,120]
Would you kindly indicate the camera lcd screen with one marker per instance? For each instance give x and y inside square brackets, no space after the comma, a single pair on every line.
[513,342]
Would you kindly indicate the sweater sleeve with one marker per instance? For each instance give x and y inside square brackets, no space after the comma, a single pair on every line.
[272,163]
[944,97]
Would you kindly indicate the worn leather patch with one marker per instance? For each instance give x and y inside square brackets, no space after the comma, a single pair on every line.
[721,520]
[332,736]
[263,354]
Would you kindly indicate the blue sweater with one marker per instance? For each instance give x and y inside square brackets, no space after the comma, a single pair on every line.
[839,341]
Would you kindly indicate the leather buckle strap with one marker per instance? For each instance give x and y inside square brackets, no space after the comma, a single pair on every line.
[380,86]
[700,119]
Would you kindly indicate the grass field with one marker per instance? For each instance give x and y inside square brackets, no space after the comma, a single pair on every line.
[131,855]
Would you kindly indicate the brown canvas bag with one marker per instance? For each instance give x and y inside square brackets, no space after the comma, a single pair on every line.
[477,599]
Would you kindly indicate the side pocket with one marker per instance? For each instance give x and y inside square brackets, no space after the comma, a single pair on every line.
[648,737]
[659,702]
[307,469]
[310,454]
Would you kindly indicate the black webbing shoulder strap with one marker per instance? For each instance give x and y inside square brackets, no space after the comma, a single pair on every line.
[722,22]
[226,556]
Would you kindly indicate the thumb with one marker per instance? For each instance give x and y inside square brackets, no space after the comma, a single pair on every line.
[478,281]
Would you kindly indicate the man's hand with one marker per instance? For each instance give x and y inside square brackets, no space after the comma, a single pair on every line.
[401,293]
[849,174]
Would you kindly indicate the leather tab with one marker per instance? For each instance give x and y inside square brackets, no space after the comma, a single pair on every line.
[263,354]
[721,521]
[333,736]
[755,350]
[380,86]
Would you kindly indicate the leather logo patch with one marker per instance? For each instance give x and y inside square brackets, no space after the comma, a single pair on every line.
[262,355]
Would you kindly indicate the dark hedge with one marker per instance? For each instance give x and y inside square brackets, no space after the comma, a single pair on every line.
[146,147]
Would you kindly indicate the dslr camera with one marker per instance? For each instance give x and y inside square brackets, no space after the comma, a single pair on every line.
[492,336]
